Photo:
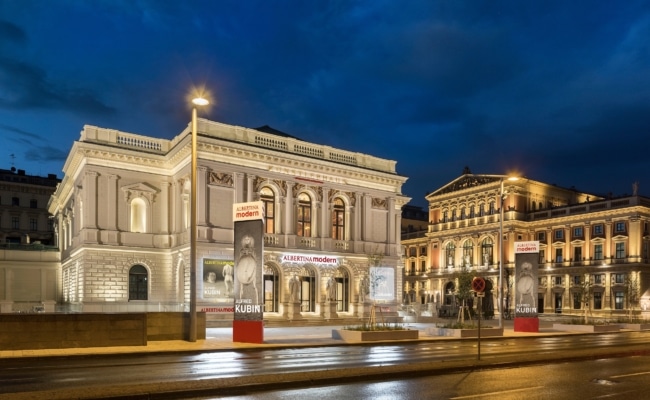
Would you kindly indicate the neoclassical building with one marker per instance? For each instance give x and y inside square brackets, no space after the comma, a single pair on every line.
[123,209]
[586,241]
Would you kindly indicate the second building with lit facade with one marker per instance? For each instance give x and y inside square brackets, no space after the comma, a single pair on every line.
[587,243]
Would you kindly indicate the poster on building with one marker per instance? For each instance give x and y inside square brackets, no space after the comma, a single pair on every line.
[249,261]
[526,283]
[218,280]
[382,283]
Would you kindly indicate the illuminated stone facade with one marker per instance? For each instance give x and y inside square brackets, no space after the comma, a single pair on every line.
[587,243]
[123,217]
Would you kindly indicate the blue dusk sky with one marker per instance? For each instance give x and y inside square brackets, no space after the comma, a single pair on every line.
[556,90]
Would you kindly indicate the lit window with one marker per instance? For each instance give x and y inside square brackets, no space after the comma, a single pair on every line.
[559,234]
[338,220]
[268,198]
[620,226]
[304,215]
[558,255]
[577,231]
[598,229]
[619,298]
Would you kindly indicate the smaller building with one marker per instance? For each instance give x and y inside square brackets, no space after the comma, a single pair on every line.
[29,258]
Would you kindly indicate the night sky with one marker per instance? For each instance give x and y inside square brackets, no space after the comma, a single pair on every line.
[558,91]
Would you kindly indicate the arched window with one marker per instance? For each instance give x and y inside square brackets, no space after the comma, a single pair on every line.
[468,254]
[138,215]
[342,290]
[271,289]
[338,220]
[304,215]
[268,198]
[449,253]
[491,212]
[138,283]
[486,252]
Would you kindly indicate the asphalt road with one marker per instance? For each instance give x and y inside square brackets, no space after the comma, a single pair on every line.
[616,378]
[183,375]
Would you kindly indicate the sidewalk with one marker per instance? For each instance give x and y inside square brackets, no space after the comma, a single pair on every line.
[276,337]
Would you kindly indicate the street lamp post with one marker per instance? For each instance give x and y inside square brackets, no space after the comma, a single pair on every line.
[500,291]
[199,101]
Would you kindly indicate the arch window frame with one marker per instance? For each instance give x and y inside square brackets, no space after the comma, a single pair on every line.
[339,219]
[138,283]
[268,198]
[304,214]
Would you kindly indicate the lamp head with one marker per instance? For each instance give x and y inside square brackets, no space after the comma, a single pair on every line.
[200,101]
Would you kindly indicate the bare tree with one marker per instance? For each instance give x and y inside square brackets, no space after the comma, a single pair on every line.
[632,294]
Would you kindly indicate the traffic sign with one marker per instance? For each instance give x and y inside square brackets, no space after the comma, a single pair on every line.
[478,284]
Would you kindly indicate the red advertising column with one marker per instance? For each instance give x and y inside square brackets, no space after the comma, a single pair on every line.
[248,323]
[525,297]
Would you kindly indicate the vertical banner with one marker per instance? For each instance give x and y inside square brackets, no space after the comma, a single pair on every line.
[526,283]
[248,324]
[382,283]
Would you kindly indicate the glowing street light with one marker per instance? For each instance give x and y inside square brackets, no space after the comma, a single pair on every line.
[500,291]
[197,102]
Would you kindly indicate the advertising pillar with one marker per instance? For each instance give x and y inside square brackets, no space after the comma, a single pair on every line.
[526,266]
[248,323]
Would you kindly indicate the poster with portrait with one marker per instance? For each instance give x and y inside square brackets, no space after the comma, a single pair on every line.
[526,281]
[249,261]
[218,280]
[382,283]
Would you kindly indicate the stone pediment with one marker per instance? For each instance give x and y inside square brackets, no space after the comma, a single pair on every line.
[139,189]
[465,182]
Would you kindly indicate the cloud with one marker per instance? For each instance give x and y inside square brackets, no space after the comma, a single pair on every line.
[11,33]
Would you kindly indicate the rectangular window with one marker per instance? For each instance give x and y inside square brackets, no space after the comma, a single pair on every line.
[620,250]
[33,203]
[577,232]
[598,252]
[542,256]
[619,278]
[576,301]
[558,280]
[541,236]
[558,255]
[412,252]
[15,223]
[423,250]
[33,224]
[576,279]
[598,229]
[598,301]
[618,300]
[412,267]
[423,266]
[577,254]
[620,227]
[598,279]
[559,234]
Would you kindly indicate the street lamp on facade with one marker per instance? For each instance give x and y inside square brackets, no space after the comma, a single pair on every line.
[196,102]
[500,289]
